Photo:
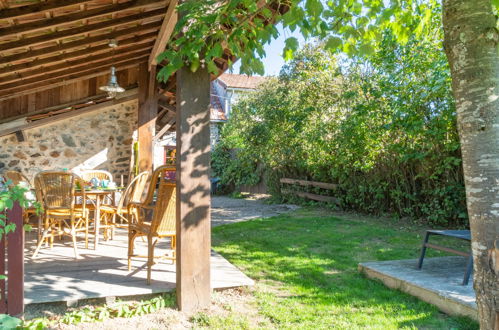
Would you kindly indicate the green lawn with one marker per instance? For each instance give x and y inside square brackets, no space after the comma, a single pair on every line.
[305,266]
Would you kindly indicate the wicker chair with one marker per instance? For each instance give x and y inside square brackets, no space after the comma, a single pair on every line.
[60,215]
[88,175]
[160,200]
[133,193]
[17,178]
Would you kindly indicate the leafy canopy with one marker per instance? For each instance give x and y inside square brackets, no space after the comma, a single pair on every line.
[243,27]
[382,126]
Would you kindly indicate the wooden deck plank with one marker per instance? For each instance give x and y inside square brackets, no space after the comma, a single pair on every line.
[55,276]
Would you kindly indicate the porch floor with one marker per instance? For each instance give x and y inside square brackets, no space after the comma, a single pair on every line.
[438,282]
[56,276]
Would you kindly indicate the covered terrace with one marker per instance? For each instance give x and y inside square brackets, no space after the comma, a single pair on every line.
[54,57]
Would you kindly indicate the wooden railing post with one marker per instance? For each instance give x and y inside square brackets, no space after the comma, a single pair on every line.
[3,271]
[15,263]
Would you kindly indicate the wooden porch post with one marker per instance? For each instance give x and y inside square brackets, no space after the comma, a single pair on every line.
[193,189]
[15,262]
[148,111]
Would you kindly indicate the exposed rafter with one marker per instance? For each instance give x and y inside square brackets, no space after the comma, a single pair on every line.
[139,41]
[165,129]
[30,27]
[74,65]
[136,18]
[81,42]
[165,32]
[41,7]
[57,81]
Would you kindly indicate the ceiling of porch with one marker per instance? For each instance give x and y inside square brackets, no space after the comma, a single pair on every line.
[54,54]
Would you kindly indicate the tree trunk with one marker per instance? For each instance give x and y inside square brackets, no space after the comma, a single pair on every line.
[471,45]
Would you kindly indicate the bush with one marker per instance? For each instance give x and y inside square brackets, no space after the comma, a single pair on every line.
[383,128]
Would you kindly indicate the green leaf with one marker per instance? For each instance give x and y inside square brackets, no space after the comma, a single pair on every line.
[292,43]
[8,322]
[314,8]
[333,43]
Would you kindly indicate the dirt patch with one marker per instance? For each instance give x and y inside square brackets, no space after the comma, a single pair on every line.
[233,303]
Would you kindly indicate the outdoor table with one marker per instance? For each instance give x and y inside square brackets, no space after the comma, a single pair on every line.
[99,195]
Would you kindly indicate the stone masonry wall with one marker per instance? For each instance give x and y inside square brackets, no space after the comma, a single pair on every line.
[98,140]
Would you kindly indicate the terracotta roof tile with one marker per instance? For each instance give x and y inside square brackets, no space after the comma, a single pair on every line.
[241,81]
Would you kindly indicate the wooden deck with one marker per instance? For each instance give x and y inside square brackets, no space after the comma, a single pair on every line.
[56,276]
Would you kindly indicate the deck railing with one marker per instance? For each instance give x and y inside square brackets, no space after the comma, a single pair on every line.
[12,265]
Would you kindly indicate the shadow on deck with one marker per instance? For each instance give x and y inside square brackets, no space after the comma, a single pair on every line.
[56,276]
[438,282]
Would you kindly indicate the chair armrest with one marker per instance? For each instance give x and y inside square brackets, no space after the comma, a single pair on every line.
[139,205]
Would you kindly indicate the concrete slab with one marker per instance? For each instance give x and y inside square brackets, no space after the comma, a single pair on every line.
[56,276]
[438,282]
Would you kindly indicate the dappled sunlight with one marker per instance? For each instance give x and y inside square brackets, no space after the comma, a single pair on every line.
[314,261]
[92,162]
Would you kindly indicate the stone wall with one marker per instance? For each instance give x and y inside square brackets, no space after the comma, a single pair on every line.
[98,140]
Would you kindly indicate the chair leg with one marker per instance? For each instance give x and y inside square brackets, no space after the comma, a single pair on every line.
[85,223]
[150,257]
[113,225]
[40,243]
[73,237]
[173,246]
[131,242]
[39,229]
[423,250]
[469,269]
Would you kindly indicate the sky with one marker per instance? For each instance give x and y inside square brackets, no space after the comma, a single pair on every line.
[274,60]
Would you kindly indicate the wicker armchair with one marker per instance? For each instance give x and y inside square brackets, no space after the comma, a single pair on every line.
[160,201]
[132,194]
[17,178]
[88,175]
[60,215]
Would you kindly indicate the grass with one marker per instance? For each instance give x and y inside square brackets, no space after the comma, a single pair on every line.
[305,265]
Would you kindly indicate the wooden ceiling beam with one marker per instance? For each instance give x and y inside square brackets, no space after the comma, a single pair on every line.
[143,39]
[136,18]
[62,70]
[81,42]
[40,7]
[165,129]
[164,33]
[21,90]
[53,22]
[72,65]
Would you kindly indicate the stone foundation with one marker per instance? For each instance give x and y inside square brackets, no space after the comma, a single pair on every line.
[101,139]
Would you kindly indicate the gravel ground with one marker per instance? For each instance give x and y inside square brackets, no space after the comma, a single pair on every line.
[225,210]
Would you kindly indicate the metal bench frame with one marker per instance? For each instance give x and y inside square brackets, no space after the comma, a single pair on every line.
[459,234]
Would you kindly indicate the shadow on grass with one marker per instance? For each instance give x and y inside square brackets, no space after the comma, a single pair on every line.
[314,261]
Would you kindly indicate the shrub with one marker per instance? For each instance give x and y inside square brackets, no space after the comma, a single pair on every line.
[383,128]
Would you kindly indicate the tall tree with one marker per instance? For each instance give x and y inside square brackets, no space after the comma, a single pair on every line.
[471,45]
[353,26]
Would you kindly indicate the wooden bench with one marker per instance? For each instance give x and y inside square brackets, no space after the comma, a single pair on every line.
[308,195]
[459,234]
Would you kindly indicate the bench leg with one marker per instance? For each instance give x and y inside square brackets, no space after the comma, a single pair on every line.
[423,250]
[469,269]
